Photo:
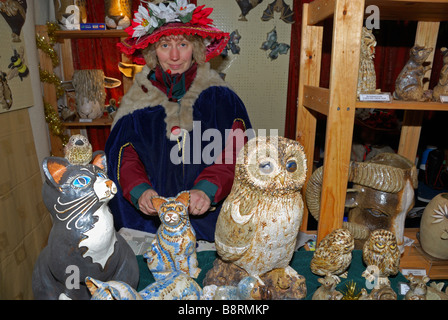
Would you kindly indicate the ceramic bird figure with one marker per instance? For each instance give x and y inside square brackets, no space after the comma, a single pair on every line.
[381,255]
[78,150]
[333,254]
[259,221]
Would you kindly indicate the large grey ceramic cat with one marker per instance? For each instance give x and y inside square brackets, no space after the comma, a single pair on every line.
[82,241]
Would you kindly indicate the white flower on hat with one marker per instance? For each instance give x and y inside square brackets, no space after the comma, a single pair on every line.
[163,12]
[182,7]
[144,22]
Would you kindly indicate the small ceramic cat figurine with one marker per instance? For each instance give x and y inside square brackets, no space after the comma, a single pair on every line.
[409,83]
[176,286]
[82,241]
[174,248]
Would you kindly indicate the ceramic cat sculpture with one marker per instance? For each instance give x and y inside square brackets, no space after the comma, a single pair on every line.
[82,241]
[176,286]
[174,248]
[409,83]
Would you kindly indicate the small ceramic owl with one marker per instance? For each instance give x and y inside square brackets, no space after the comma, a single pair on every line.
[381,251]
[78,150]
[259,221]
[333,254]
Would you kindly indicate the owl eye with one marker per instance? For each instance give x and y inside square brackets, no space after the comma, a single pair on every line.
[266,167]
[291,166]
[380,245]
[393,246]
[81,181]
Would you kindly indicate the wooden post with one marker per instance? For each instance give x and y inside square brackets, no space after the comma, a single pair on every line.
[310,65]
[347,27]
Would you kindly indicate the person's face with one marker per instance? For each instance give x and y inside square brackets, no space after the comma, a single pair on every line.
[175,54]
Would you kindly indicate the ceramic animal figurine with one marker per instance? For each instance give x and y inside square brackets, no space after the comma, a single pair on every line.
[90,93]
[389,180]
[366,73]
[78,150]
[441,89]
[333,254]
[409,83]
[259,221]
[118,13]
[419,290]
[383,292]
[434,227]
[174,248]
[248,289]
[176,286]
[327,291]
[82,241]
[381,255]
[111,290]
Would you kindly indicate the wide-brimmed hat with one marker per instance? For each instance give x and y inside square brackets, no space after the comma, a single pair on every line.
[176,17]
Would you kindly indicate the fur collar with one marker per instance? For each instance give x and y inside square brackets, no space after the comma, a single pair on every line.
[143,94]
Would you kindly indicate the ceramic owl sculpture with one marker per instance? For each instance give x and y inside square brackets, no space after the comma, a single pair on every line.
[333,254]
[259,221]
[381,255]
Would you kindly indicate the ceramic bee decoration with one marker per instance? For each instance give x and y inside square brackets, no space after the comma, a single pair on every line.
[259,221]
[333,254]
[174,248]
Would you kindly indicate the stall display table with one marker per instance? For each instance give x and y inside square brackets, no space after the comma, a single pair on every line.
[300,262]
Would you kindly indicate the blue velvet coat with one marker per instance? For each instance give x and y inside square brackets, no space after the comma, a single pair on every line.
[144,121]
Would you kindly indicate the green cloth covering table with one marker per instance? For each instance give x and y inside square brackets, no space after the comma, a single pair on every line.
[299,262]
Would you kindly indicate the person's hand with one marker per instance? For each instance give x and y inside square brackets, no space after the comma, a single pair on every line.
[199,202]
[145,204]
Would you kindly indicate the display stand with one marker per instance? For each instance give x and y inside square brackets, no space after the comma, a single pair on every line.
[66,62]
[339,102]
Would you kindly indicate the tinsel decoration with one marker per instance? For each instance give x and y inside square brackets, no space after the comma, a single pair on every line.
[51,115]
[351,292]
[54,122]
[47,77]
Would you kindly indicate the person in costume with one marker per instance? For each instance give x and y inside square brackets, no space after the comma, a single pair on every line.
[180,126]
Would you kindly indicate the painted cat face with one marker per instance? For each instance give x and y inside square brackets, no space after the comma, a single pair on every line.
[72,191]
[172,211]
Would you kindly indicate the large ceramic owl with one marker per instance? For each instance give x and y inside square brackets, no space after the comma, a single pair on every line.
[333,254]
[259,221]
[381,250]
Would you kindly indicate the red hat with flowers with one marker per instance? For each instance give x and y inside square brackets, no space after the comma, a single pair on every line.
[176,17]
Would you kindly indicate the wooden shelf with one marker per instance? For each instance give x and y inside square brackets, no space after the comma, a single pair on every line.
[409,10]
[415,258]
[87,34]
[404,105]
[93,123]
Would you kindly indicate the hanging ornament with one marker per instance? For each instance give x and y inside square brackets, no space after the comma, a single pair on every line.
[275,48]
[232,45]
[246,6]
[286,14]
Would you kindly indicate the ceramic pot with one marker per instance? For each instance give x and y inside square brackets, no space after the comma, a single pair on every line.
[434,227]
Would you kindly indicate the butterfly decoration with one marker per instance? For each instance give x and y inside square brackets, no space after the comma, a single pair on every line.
[275,48]
[286,14]
[246,6]
[232,45]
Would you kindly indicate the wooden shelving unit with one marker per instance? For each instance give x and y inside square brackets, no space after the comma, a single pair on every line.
[64,38]
[338,102]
